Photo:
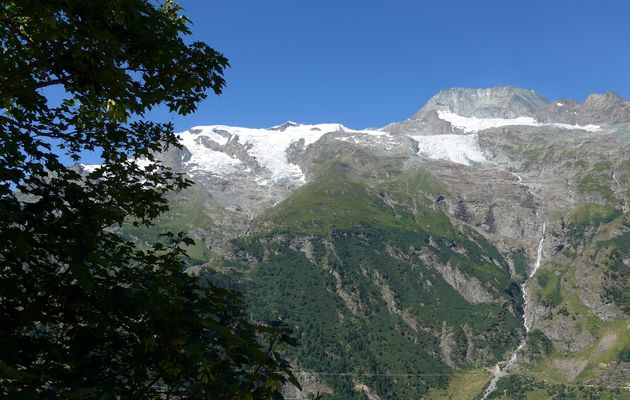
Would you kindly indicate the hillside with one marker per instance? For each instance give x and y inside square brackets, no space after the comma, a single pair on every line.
[478,249]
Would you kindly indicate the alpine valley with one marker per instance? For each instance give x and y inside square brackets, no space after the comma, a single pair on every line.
[478,250]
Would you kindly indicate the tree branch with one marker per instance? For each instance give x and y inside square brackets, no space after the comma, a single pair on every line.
[39,85]
[36,132]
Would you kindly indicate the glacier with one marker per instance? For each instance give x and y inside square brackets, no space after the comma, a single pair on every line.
[474,124]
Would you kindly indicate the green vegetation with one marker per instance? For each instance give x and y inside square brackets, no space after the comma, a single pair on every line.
[560,289]
[550,293]
[345,263]
[515,387]
[597,181]
[86,313]
[339,200]
[187,213]
[465,385]
[520,263]
[583,366]
[619,289]
[349,311]
[521,387]
[593,214]
[624,355]
[621,242]
[581,164]
[539,344]
[588,216]
[412,185]
[617,271]
[335,201]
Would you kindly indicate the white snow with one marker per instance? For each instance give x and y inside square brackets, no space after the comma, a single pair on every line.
[474,124]
[372,132]
[588,128]
[465,149]
[461,149]
[559,104]
[270,147]
[211,133]
[89,168]
[267,146]
[204,158]
[142,163]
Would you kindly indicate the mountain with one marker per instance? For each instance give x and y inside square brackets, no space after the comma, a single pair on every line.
[478,249]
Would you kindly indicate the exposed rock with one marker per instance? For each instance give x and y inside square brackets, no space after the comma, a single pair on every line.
[311,385]
[607,108]
[447,343]
[528,174]
[361,387]
[469,287]
[499,102]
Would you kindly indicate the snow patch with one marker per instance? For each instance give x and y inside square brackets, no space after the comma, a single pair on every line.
[588,128]
[269,148]
[461,149]
[142,163]
[215,133]
[474,124]
[89,168]
[203,158]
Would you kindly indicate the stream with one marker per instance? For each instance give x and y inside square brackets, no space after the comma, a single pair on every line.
[497,371]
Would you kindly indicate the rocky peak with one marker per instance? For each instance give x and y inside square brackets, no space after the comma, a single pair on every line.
[607,108]
[599,100]
[600,109]
[503,102]
[497,102]
[283,127]
[464,111]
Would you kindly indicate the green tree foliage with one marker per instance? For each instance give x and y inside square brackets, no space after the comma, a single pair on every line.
[85,314]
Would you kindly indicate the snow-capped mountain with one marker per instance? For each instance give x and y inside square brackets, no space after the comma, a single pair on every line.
[489,229]
[445,129]
[260,167]
[262,153]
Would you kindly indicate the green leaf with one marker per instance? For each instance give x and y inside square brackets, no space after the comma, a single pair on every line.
[82,274]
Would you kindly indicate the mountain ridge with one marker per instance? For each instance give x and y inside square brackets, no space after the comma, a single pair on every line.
[489,237]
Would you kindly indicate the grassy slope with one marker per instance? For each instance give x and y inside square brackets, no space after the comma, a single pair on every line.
[187,213]
[352,227]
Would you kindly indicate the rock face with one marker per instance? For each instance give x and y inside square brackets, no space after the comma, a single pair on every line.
[408,245]
[604,109]
[500,102]
[512,103]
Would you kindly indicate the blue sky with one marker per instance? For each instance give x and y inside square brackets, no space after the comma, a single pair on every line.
[371,62]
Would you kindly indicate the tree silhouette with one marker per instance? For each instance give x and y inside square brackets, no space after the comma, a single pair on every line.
[85,314]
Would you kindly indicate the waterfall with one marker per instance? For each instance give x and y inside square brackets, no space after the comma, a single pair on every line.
[539,252]
[501,372]
[497,371]
[518,177]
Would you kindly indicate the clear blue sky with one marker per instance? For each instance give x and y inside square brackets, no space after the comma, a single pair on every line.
[371,62]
